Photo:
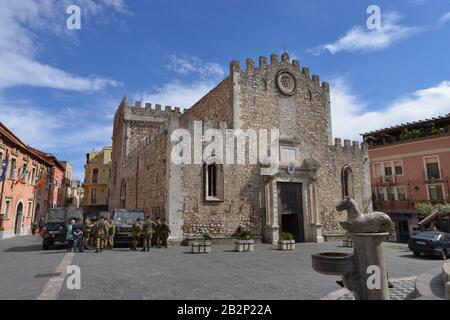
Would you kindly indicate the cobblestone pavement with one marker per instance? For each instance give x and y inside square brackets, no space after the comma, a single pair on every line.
[403,290]
[174,273]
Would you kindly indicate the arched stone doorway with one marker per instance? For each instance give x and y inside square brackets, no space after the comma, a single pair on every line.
[19,217]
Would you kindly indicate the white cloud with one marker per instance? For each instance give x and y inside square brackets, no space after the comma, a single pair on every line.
[192,65]
[351,118]
[177,94]
[361,39]
[444,18]
[203,76]
[20,25]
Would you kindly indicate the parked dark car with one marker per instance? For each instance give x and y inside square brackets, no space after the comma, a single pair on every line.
[124,219]
[431,243]
[56,222]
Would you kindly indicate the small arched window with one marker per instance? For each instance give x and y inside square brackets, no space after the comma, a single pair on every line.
[213,180]
[347,182]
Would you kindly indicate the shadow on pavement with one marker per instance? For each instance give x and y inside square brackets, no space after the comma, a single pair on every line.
[33,247]
[423,257]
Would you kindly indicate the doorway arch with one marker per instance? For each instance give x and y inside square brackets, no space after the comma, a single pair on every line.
[19,217]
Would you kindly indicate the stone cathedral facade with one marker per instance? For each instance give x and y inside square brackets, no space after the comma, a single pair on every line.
[214,197]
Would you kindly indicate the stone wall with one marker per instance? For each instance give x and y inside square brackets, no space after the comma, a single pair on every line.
[213,107]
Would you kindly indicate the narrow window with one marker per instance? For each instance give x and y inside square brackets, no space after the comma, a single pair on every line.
[432,168]
[380,194]
[95,175]
[12,168]
[94,196]
[435,192]
[401,192]
[387,169]
[398,168]
[213,182]
[390,194]
[7,208]
[347,182]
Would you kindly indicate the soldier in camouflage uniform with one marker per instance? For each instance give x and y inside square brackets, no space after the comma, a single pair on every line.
[100,232]
[111,233]
[155,237]
[148,227]
[136,230]
[164,232]
[105,241]
[87,233]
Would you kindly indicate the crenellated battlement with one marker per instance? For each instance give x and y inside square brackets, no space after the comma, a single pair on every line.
[274,61]
[349,146]
[149,108]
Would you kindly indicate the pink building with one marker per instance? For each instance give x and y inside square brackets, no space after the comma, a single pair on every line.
[21,169]
[409,164]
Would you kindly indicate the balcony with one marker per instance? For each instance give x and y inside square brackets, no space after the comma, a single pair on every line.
[399,206]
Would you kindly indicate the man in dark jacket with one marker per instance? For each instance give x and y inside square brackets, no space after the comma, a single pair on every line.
[78,235]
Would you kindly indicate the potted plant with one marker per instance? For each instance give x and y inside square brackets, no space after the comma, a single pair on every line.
[202,245]
[2,229]
[347,242]
[245,243]
[286,241]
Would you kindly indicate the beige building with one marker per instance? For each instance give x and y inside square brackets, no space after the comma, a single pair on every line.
[297,196]
[96,180]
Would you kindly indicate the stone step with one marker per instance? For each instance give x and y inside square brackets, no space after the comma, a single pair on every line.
[429,285]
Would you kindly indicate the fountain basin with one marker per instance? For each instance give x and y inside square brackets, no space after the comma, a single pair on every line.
[333,263]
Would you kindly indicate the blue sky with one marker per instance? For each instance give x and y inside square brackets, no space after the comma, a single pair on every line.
[59,88]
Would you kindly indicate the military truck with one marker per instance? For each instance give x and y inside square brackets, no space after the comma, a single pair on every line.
[56,222]
[124,219]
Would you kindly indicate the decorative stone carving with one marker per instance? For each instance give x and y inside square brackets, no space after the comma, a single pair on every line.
[286,82]
[372,222]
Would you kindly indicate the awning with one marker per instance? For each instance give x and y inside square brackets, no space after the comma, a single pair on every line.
[429,218]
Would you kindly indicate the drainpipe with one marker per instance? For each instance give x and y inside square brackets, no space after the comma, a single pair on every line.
[1,194]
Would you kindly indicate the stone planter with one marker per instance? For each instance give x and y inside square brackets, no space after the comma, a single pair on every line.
[286,245]
[348,243]
[244,245]
[201,247]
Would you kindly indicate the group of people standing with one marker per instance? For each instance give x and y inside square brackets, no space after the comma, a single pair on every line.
[79,235]
[74,236]
[155,234]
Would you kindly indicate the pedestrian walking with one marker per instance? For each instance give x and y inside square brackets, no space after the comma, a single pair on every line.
[69,235]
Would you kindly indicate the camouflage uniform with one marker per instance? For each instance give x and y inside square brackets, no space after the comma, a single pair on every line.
[111,233]
[164,231]
[100,232]
[136,230]
[155,236]
[107,225]
[148,227]
[87,232]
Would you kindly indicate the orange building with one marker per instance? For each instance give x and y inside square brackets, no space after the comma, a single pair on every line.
[410,164]
[20,171]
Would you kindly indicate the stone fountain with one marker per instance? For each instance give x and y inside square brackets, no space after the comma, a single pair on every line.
[363,271]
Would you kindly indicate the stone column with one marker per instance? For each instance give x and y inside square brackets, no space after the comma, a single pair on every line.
[369,258]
